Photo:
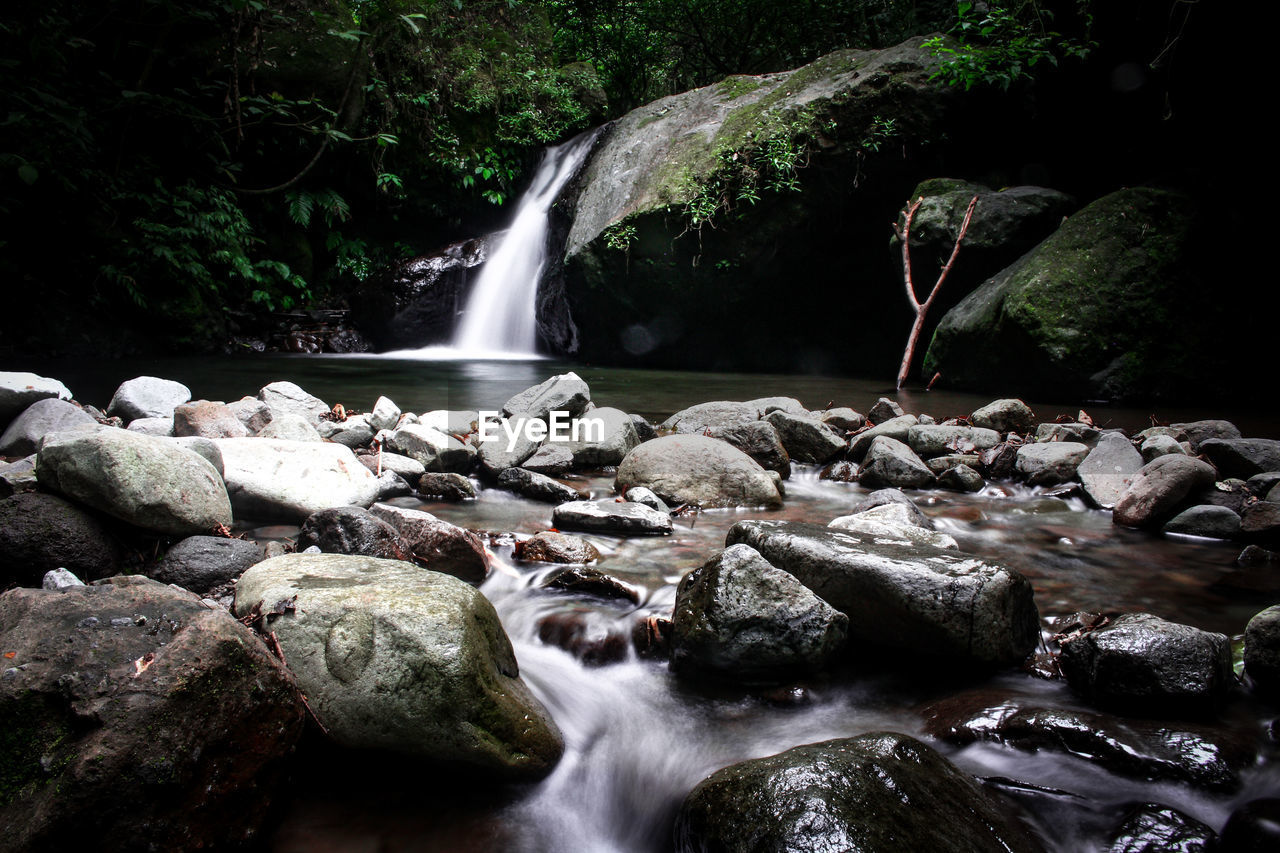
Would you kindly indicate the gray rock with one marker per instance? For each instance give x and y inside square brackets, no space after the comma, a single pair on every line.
[894,523]
[19,390]
[876,792]
[1262,485]
[718,414]
[1143,664]
[961,478]
[1241,457]
[564,393]
[1050,463]
[145,481]
[202,447]
[552,547]
[396,658]
[41,532]
[926,601]
[353,432]
[162,427]
[147,397]
[1154,828]
[201,563]
[183,700]
[1161,445]
[694,469]
[550,459]
[538,487]
[586,582]
[760,441]
[1199,431]
[896,428]
[882,497]
[1081,433]
[41,418]
[274,480]
[435,450]
[19,476]
[448,487]
[352,530]
[1005,415]
[806,439]
[929,440]
[644,429]
[437,544]
[738,617]
[385,415]
[286,397]
[767,405]
[884,410]
[1216,522]
[392,485]
[498,450]
[459,422]
[289,427]
[606,446]
[1109,469]
[890,463]
[842,418]
[410,469]
[252,412]
[1261,519]
[1159,488]
[611,516]
[641,495]
[1262,649]
[207,419]
[60,579]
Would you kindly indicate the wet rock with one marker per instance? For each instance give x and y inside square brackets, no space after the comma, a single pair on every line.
[694,469]
[1005,415]
[1159,488]
[1001,461]
[564,393]
[355,431]
[23,435]
[137,718]
[162,427]
[931,440]
[437,544]
[1252,828]
[538,487]
[19,390]
[551,459]
[290,427]
[1199,431]
[1262,650]
[1153,828]
[433,449]
[148,397]
[884,410]
[1081,433]
[1215,522]
[840,471]
[410,469]
[842,418]
[252,412]
[1144,664]
[611,516]
[274,480]
[385,414]
[145,481]
[961,478]
[607,447]
[40,532]
[286,397]
[760,441]
[498,451]
[1261,520]
[207,419]
[740,618]
[447,487]
[651,637]
[894,522]
[594,638]
[352,530]
[201,563]
[890,463]
[396,658]
[806,439]
[938,464]
[641,495]
[895,428]
[584,580]
[551,547]
[1109,469]
[881,497]
[1241,457]
[1207,757]
[1161,445]
[916,601]
[392,485]
[1050,463]
[878,791]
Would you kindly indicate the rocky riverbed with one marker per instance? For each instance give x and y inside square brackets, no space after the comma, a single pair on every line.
[265,567]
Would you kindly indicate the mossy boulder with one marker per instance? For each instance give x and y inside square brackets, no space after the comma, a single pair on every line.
[1105,307]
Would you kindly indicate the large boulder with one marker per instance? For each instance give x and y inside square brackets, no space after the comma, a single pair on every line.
[878,791]
[694,469]
[399,658]
[915,600]
[147,397]
[41,532]
[1089,311]
[1109,469]
[18,390]
[738,617]
[275,480]
[146,481]
[23,435]
[1159,488]
[135,718]
[712,416]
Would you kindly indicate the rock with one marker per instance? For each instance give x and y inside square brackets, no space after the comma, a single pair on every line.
[538,487]
[840,471]
[1253,555]
[397,658]
[767,405]
[806,439]
[644,429]
[961,478]
[1050,463]
[392,485]
[564,393]
[1215,522]
[41,418]
[694,469]
[1200,431]
[507,443]
[138,718]
[1108,469]
[456,422]
[641,495]
[842,418]
[1001,461]
[917,601]
[202,447]
[1142,663]
[1241,457]
[551,547]
[162,427]
[19,390]
[1261,520]
[583,580]
[201,563]
[60,579]
[883,497]
[1087,311]
[1207,757]
[1262,485]
[274,480]
[1080,433]
[148,397]
[1005,415]
[1262,650]
[1161,445]
[550,459]
[932,440]
[896,428]
[894,523]
[252,412]
[737,617]
[437,544]
[593,638]
[606,446]
[1252,828]
[434,450]
[286,397]
[410,469]
[884,410]
[447,487]
[352,530]
[145,481]
[716,415]
[385,414]
[1159,488]
[289,427]
[18,476]
[611,516]
[1153,828]
[760,441]
[877,791]
[890,463]
[207,419]
[353,432]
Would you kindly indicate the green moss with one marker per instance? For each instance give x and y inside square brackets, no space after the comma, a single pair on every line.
[36,740]
[736,86]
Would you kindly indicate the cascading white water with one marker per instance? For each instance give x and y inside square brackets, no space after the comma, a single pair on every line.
[500,317]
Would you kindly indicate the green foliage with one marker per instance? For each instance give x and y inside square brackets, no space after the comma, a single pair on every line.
[620,236]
